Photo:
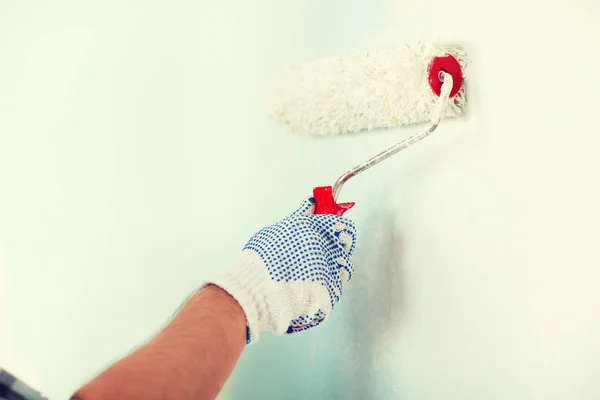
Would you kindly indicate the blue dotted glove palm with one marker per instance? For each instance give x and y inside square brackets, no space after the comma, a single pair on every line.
[290,274]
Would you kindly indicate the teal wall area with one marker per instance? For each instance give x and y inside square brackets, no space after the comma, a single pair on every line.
[136,159]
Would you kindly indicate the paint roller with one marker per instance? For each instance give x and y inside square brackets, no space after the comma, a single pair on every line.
[362,91]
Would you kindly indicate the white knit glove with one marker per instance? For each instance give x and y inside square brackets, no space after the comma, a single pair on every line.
[290,274]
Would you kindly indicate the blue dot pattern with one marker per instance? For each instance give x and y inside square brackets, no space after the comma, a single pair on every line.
[307,247]
[305,322]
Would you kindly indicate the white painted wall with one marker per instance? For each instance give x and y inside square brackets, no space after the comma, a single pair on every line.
[135,159]
[497,218]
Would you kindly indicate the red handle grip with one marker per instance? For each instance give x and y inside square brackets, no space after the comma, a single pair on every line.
[325,203]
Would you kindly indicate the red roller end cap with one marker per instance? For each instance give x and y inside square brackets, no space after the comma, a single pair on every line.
[448,64]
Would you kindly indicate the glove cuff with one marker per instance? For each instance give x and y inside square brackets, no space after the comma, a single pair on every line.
[247,281]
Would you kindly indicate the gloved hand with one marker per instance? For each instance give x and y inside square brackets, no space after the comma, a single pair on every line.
[290,274]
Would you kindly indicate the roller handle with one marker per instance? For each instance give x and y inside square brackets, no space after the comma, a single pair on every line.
[325,203]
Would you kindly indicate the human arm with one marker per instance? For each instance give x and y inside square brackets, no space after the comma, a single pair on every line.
[287,280]
[190,359]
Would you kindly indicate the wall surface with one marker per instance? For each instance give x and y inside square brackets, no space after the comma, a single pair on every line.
[136,160]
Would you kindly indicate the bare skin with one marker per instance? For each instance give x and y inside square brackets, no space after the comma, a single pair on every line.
[190,359]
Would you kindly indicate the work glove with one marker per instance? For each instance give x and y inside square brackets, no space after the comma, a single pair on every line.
[290,274]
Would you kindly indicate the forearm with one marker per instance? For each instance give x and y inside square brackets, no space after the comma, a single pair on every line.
[190,359]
